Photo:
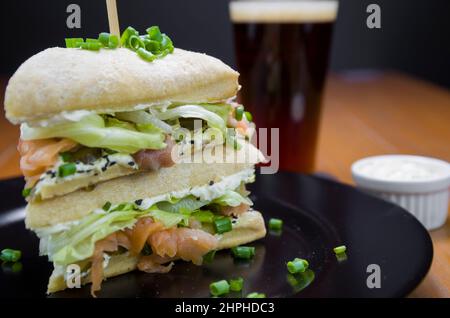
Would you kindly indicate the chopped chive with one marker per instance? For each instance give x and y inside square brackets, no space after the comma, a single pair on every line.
[256,295]
[220,287]
[66,156]
[151,45]
[249,116]
[340,249]
[72,42]
[67,169]
[154,33]
[90,46]
[209,257]
[10,255]
[26,192]
[275,224]
[146,55]
[203,216]
[113,41]
[104,38]
[146,250]
[243,252]
[239,112]
[236,284]
[106,206]
[135,43]
[89,40]
[298,265]
[126,35]
[222,225]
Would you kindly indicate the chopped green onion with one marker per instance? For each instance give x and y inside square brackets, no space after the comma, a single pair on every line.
[126,35]
[113,41]
[26,192]
[239,112]
[72,42]
[66,156]
[104,38]
[256,295]
[249,116]
[340,249]
[91,46]
[209,257]
[275,224]
[203,216]
[298,265]
[146,250]
[151,45]
[222,225]
[146,55]
[106,206]
[243,252]
[154,33]
[236,284]
[135,43]
[10,255]
[167,43]
[89,40]
[219,288]
[67,169]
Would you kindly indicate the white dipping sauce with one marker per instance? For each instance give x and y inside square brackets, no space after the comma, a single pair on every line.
[399,169]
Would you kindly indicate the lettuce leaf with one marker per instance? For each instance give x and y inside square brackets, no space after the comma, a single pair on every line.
[231,198]
[194,111]
[91,131]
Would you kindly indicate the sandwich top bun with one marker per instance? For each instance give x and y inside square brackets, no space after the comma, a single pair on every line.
[66,79]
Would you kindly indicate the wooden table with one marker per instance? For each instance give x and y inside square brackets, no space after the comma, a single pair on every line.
[365,114]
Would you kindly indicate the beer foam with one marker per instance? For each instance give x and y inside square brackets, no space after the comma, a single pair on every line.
[283,11]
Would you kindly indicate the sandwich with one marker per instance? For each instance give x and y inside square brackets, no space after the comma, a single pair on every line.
[108,148]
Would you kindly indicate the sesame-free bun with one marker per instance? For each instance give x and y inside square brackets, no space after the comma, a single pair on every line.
[69,79]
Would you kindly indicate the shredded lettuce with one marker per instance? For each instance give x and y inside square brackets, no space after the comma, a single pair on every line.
[92,131]
[194,111]
[232,198]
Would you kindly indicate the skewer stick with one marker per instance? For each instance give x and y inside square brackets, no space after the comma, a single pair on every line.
[113,18]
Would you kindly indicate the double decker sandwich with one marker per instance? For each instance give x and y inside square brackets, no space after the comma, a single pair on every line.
[110,181]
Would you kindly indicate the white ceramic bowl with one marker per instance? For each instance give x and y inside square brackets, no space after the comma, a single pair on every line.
[418,184]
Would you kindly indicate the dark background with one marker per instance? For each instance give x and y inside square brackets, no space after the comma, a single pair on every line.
[414,35]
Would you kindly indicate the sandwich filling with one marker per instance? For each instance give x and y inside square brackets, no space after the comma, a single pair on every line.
[184,224]
[84,144]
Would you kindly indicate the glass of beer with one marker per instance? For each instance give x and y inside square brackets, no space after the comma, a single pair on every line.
[282,51]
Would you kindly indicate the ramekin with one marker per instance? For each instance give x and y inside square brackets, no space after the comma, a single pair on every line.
[426,199]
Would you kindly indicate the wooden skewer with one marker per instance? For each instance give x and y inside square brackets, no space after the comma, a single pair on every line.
[113,18]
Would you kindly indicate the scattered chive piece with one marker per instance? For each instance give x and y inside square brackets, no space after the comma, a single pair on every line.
[135,43]
[67,169]
[10,255]
[106,206]
[90,46]
[340,249]
[249,116]
[154,33]
[275,224]
[236,284]
[89,40]
[298,265]
[203,216]
[222,225]
[113,41]
[220,287]
[26,192]
[104,38]
[243,252]
[146,250]
[209,257]
[239,112]
[72,42]
[256,295]
[66,156]
[146,55]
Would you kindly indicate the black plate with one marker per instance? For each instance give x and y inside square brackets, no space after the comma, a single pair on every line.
[318,215]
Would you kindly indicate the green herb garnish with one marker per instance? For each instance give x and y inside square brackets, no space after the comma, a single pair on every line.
[10,255]
[67,169]
[219,288]
[243,252]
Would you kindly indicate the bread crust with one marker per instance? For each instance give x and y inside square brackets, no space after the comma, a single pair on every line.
[63,79]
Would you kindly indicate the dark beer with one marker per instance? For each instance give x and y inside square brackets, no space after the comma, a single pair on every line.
[282,53]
